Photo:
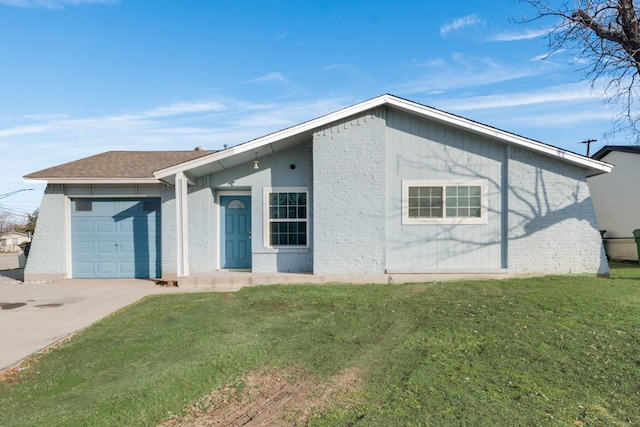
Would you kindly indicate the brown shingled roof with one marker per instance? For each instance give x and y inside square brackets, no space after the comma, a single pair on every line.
[119,164]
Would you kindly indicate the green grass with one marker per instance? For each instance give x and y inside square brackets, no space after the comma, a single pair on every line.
[537,351]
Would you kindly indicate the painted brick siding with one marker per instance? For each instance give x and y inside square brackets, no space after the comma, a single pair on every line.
[200,202]
[348,202]
[48,255]
[552,224]
[169,250]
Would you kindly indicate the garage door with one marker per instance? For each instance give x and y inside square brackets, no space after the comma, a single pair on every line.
[115,238]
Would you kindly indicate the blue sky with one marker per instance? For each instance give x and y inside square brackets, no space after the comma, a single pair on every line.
[80,77]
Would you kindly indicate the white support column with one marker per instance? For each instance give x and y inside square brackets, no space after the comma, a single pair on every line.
[181,225]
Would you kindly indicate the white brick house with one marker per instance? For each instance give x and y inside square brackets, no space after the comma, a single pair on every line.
[384,187]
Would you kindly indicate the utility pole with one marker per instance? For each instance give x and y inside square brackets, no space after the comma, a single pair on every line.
[588,142]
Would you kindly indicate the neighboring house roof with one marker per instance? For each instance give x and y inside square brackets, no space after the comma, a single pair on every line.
[602,153]
[285,138]
[123,166]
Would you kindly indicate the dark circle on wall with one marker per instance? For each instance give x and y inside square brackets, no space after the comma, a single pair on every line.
[292,166]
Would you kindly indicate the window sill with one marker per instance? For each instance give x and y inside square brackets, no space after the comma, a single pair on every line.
[301,250]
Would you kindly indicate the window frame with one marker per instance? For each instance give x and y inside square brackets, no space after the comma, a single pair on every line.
[267,220]
[482,183]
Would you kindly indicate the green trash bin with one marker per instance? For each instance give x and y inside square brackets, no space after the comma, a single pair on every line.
[636,236]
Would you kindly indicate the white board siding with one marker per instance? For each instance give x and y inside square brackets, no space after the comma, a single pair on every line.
[419,149]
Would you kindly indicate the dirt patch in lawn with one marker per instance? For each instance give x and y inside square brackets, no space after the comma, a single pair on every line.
[268,398]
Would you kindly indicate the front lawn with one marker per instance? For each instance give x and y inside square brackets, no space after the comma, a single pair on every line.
[557,350]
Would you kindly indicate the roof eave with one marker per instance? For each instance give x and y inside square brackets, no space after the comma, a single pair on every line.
[593,166]
[58,180]
[285,133]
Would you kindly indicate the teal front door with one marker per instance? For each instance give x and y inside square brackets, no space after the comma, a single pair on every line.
[235,216]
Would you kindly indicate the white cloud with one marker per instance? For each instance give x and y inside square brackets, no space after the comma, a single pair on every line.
[466,21]
[519,35]
[552,94]
[54,139]
[52,4]
[271,77]
[464,71]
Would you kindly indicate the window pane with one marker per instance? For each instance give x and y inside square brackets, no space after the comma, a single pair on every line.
[422,201]
[84,206]
[436,213]
[288,208]
[460,199]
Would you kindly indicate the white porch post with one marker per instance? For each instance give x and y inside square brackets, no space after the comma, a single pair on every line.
[181,225]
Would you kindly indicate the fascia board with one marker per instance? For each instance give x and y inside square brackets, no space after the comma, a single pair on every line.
[460,122]
[268,139]
[93,180]
[507,137]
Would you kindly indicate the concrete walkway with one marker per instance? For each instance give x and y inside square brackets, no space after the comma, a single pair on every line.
[34,316]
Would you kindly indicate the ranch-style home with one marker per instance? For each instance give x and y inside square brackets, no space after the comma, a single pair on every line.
[381,188]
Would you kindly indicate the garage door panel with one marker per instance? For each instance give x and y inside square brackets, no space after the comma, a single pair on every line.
[115,238]
[106,267]
[106,247]
[105,226]
[128,227]
[83,226]
[128,268]
[82,247]
[84,268]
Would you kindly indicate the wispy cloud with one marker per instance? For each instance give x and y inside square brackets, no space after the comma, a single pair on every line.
[553,94]
[456,24]
[517,35]
[464,71]
[52,4]
[268,78]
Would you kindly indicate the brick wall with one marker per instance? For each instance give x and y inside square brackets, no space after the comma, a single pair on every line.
[348,196]
[552,226]
[48,254]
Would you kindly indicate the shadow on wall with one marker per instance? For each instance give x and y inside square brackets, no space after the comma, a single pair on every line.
[145,249]
[541,199]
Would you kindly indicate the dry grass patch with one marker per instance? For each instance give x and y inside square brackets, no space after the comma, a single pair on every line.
[275,397]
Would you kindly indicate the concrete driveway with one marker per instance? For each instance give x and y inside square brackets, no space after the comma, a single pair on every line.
[34,316]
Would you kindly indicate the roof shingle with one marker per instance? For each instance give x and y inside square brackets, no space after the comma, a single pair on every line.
[118,165]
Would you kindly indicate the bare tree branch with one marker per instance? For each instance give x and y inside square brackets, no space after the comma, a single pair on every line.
[606,36]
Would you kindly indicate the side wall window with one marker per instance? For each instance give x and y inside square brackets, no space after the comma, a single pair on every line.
[286,217]
[444,202]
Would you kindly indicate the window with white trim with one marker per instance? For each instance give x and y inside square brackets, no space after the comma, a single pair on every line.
[287,217]
[444,202]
